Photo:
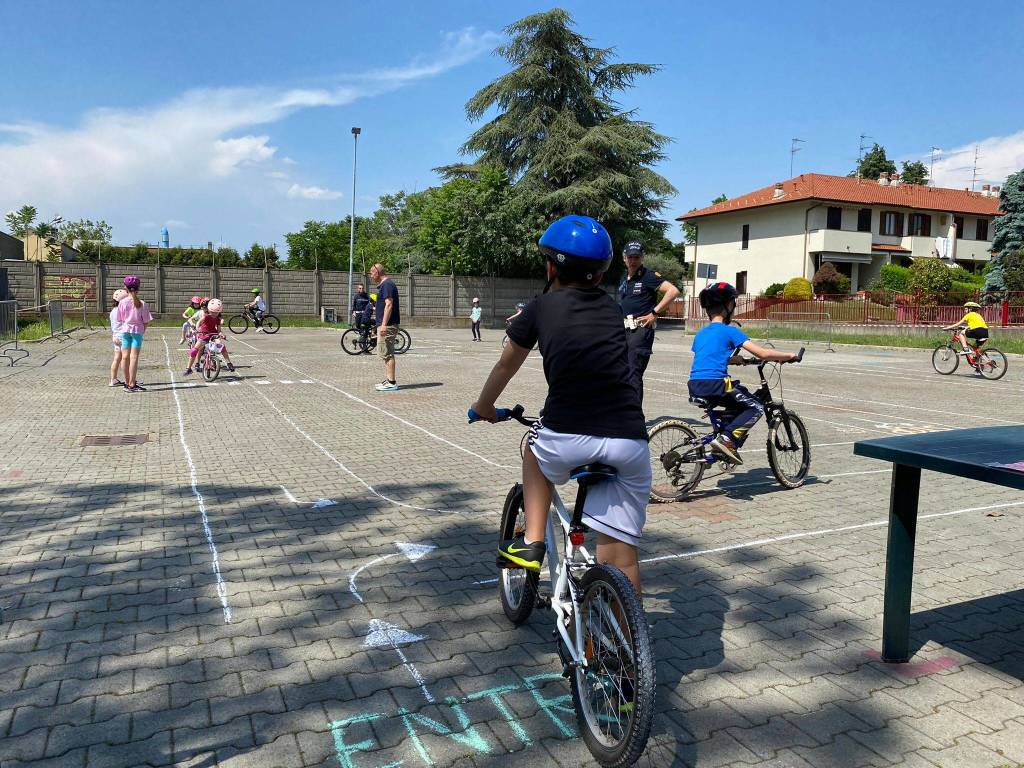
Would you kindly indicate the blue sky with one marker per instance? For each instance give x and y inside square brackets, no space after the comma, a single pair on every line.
[229,121]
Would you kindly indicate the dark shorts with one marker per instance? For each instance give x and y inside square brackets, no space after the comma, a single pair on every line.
[977,334]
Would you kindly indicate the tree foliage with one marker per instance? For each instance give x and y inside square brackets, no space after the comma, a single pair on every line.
[874,163]
[893,277]
[1013,270]
[830,281]
[914,172]
[260,256]
[85,230]
[1008,229]
[774,289]
[798,288]
[930,276]
[21,221]
[559,133]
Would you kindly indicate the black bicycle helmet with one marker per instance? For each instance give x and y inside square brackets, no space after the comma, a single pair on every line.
[717,295]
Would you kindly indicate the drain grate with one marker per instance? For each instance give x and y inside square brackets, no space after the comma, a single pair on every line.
[110,441]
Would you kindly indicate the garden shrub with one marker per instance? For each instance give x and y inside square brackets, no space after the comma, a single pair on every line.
[798,288]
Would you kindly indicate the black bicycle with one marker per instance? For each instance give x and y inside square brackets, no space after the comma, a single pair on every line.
[680,454]
[240,323]
[363,340]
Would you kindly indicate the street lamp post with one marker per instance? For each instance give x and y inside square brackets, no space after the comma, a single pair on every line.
[352,221]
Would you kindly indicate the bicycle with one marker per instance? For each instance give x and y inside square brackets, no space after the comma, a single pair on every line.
[989,362]
[358,341]
[240,323]
[210,362]
[600,624]
[680,454]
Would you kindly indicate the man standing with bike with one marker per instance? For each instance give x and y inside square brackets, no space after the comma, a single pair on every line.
[638,297]
[388,318]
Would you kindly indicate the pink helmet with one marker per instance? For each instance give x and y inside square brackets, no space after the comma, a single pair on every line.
[215,305]
[132,283]
[120,294]
[197,300]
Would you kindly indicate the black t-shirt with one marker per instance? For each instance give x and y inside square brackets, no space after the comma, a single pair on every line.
[581,337]
[360,301]
[388,290]
[638,296]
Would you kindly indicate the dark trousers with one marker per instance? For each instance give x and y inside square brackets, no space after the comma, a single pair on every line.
[640,344]
[476,330]
[741,409]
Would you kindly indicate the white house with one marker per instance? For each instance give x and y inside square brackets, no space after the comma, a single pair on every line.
[788,230]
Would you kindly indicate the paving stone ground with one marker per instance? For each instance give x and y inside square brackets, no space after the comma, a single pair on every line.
[114,644]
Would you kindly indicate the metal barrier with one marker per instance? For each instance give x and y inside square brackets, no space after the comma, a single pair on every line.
[9,349]
[811,317]
[55,311]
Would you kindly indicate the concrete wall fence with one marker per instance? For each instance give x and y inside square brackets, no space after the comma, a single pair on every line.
[167,289]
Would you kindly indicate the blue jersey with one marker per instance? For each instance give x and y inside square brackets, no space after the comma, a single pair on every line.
[712,347]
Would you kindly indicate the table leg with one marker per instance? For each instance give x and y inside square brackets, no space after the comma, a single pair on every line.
[899,563]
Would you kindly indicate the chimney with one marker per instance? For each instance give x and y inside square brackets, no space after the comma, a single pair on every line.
[986,190]
[883,179]
[996,190]
[894,180]
[778,191]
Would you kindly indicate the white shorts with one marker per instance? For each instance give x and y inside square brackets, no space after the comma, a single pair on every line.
[116,338]
[616,507]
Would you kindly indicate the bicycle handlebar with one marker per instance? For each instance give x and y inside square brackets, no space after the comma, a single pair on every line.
[759,362]
[504,414]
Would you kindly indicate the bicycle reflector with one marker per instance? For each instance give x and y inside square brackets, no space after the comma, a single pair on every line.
[576,537]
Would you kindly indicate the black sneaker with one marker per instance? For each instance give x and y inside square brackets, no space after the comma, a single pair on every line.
[188,371]
[516,552]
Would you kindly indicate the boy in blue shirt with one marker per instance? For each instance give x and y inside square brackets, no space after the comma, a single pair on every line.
[715,346]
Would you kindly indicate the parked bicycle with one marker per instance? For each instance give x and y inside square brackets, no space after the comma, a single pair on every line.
[210,361]
[680,454]
[989,362]
[240,323]
[358,341]
[600,626]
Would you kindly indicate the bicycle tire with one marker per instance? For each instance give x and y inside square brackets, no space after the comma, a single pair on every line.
[243,324]
[997,369]
[667,486]
[517,587]
[210,367]
[941,357]
[352,342]
[270,324]
[778,446]
[402,341]
[603,678]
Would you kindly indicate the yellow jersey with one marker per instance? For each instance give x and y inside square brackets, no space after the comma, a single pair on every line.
[974,320]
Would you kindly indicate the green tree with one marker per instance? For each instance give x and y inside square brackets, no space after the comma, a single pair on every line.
[874,163]
[86,230]
[318,243]
[914,172]
[559,134]
[930,276]
[21,221]
[260,256]
[1013,270]
[1007,234]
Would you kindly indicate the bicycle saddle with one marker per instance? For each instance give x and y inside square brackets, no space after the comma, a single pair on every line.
[588,474]
[700,402]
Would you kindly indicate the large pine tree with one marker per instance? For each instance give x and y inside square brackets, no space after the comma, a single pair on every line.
[561,136]
[1007,232]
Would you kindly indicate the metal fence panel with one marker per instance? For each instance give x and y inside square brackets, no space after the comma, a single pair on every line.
[9,349]
[55,311]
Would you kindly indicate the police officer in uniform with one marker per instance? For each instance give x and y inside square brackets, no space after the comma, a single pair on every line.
[638,297]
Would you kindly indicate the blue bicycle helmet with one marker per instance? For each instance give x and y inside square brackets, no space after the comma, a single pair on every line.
[578,242]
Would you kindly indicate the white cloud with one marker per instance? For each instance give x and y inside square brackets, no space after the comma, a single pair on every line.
[194,149]
[177,224]
[998,157]
[312,193]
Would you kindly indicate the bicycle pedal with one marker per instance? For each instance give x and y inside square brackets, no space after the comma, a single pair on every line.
[544,601]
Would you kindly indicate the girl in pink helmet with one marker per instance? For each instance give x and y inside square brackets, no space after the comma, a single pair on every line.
[133,312]
[207,329]
[190,310]
[116,329]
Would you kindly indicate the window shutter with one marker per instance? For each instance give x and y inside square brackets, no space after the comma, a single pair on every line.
[899,225]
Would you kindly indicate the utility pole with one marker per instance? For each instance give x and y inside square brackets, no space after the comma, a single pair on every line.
[860,151]
[931,169]
[974,171]
[793,149]
[352,222]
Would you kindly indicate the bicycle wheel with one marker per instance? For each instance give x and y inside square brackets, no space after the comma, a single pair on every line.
[677,460]
[238,324]
[271,324]
[790,459]
[516,586]
[402,341]
[352,342]
[945,359]
[991,363]
[211,366]
[614,695]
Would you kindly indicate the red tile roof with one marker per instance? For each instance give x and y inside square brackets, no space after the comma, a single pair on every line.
[844,189]
[885,247]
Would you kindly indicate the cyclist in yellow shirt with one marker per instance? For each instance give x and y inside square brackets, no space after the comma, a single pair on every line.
[975,325]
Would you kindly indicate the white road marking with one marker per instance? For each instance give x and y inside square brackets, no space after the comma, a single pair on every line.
[222,592]
[289,496]
[383,634]
[894,405]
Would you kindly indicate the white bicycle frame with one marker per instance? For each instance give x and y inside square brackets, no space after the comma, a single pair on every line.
[563,593]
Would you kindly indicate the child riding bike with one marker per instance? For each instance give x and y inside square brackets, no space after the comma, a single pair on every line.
[714,348]
[258,308]
[592,412]
[971,326]
[190,310]
[208,329]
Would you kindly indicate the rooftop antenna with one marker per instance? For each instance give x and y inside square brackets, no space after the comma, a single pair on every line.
[931,170]
[793,149]
[974,171]
[860,151]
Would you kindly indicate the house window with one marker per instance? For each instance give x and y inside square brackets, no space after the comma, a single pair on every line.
[741,282]
[864,220]
[834,220]
[746,237]
[982,231]
[890,223]
[958,222]
[921,224]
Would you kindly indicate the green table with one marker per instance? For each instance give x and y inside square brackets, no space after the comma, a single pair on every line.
[968,453]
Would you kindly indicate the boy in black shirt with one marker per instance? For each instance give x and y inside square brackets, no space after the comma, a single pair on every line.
[592,412]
